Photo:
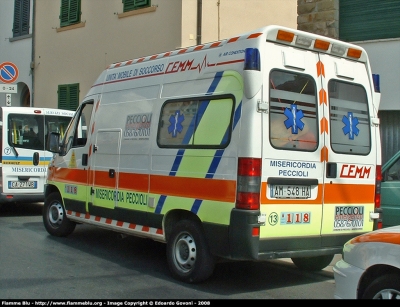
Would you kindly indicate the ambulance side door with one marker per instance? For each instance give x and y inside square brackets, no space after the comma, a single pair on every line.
[105,168]
[73,160]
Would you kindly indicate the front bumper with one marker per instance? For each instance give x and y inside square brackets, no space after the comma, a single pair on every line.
[347,279]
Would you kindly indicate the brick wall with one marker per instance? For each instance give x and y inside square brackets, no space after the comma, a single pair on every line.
[319,17]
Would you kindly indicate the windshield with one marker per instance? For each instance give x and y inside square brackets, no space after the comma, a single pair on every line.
[30,131]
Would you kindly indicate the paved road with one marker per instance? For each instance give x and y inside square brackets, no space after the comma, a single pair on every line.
[93,263]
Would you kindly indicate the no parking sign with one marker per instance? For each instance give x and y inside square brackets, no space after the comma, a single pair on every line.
[8,72]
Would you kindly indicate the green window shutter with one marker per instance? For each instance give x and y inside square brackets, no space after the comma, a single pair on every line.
[21,17]
[368,20]
[64,13]
[140,3]
[68,96]
[70,12]
[73,96]
[63,97]
[25,17]
[17,18]
[130,5]
[74,11]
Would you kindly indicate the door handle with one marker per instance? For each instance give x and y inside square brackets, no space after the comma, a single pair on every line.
[331,170]
[35,158]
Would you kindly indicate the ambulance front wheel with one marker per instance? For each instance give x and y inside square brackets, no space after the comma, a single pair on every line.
[316,263]
[54,217]
[189,258]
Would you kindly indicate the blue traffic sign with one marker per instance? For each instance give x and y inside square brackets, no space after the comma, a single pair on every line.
[8,72]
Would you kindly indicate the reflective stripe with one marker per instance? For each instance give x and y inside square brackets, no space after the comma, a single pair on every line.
[98,221]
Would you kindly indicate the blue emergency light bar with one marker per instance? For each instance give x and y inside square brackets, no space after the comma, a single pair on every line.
[377,85]
[252,59]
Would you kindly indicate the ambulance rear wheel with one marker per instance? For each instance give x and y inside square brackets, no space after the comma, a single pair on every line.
[54,218]
[316,263]
[189,258]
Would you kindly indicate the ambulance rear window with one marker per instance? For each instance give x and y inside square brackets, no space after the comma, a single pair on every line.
[196,123]
[293,111]
[349,120]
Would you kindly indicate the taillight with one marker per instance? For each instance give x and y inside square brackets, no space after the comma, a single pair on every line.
[378,181]
[248,184]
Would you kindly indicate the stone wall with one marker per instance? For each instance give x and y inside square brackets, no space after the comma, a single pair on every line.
[319,17]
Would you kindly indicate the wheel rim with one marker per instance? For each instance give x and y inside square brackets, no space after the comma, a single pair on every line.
[56,214]
[388,294]
[185,252]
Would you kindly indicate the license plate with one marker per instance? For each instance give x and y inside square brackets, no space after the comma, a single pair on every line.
[22,184]
[290,191]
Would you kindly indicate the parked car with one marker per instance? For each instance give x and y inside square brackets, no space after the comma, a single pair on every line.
[390,192]
[370,266]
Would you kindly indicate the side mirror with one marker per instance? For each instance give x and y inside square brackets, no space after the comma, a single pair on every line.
[53,142]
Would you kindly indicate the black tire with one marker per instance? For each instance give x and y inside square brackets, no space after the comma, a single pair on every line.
[189,258]
[316,263]
[54,218]
[386,287]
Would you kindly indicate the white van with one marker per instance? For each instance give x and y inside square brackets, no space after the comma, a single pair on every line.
[261,146]
[24,160]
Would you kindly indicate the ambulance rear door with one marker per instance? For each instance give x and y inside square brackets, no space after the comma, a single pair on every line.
[292,148]
[350,150]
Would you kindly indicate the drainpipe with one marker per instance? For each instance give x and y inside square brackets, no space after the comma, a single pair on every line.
[219,30]
[199,21]
[32,94]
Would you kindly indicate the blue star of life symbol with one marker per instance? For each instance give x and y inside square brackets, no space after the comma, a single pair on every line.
[294,117]
[176,123]
[350,125]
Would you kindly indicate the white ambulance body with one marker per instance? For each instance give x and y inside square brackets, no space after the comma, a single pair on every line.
[24,160]
[262,146]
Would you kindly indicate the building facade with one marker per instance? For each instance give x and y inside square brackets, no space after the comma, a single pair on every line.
[77,39]
[16,73]
[375,26]
[51,51]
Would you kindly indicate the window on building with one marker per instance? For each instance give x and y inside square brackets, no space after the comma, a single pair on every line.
[70,12]
[130,5]
[21,17]
[68,96]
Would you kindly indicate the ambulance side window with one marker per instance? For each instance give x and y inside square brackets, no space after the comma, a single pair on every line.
[349,119]
[196,123]
[76,133]
[293,116]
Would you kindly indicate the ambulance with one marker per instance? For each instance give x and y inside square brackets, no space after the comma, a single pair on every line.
[261,146]
[24,160]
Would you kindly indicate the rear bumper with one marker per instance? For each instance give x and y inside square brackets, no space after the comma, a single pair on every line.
[240,240]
